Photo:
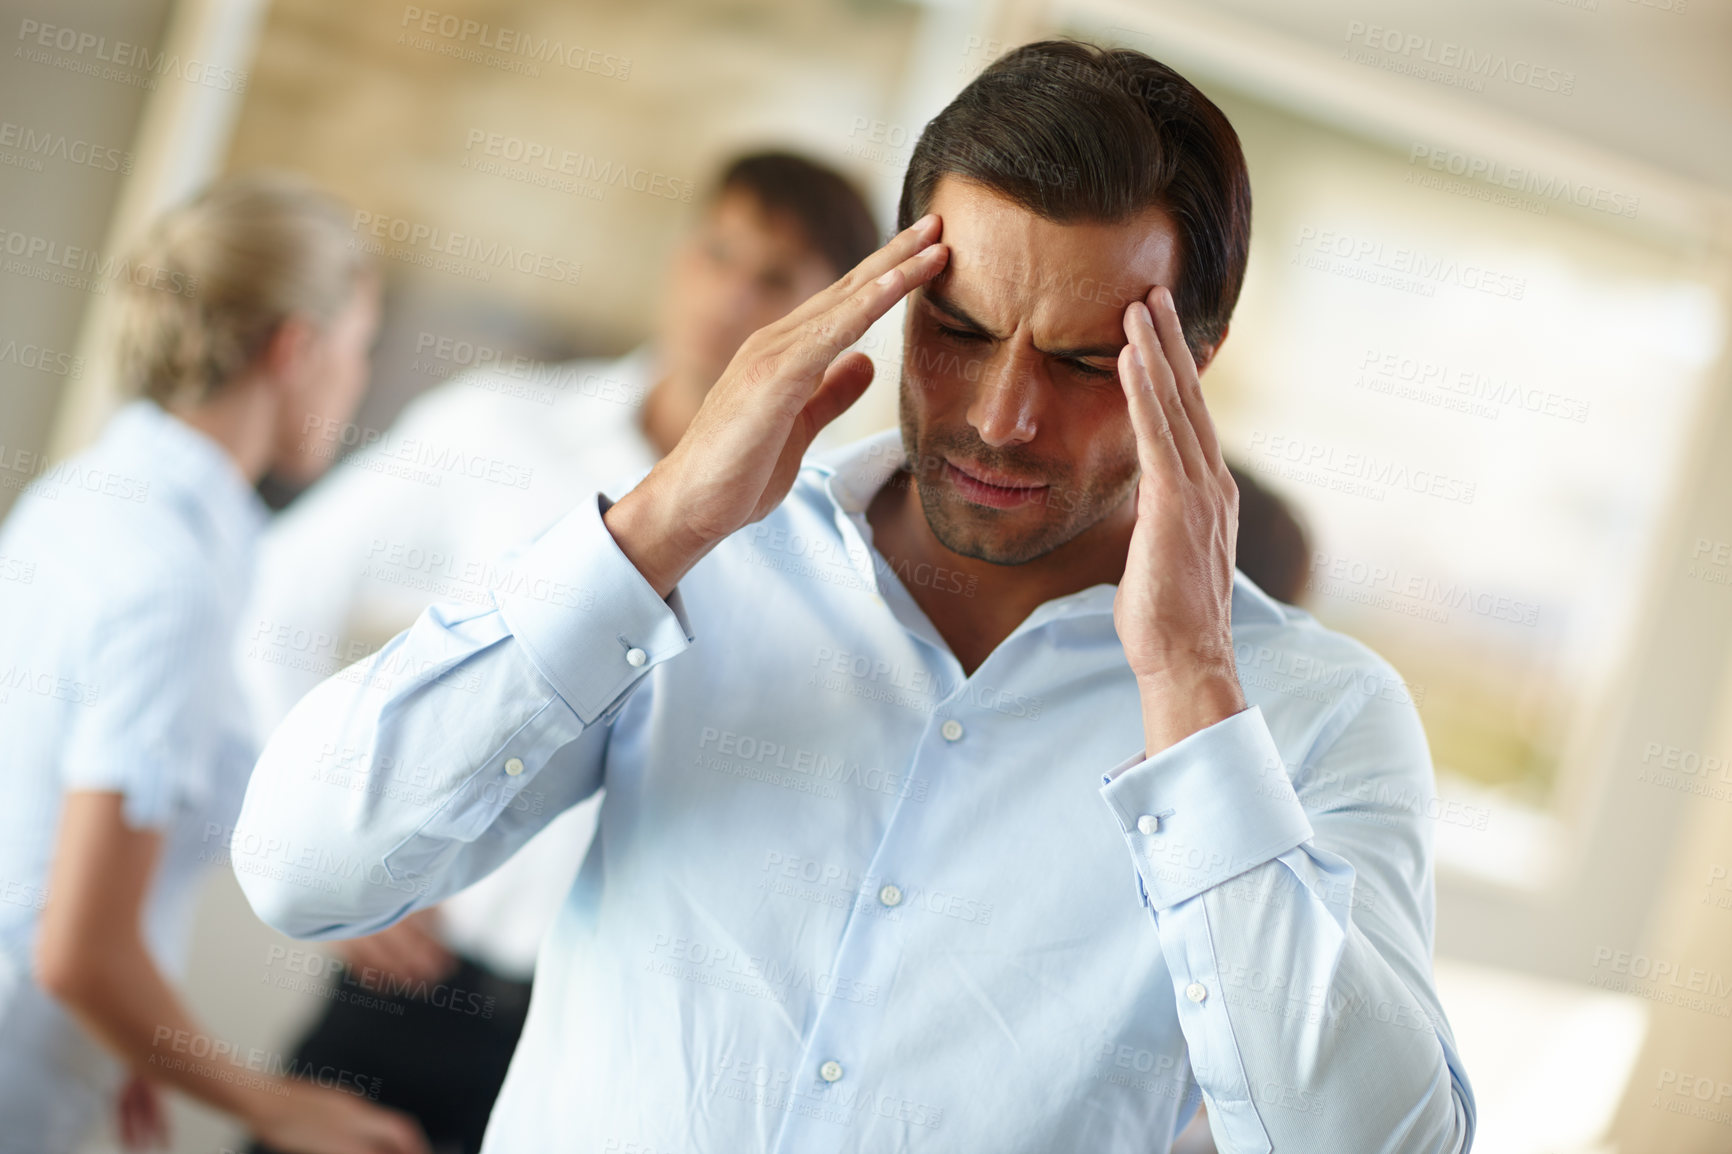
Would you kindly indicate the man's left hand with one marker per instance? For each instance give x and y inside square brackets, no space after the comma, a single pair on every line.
[1173,611]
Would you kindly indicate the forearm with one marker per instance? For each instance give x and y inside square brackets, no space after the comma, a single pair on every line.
[1305,1023]
[1302,982]
[393,786]
[121,997]
[410,746]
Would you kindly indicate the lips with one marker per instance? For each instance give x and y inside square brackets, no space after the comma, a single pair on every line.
[989,488]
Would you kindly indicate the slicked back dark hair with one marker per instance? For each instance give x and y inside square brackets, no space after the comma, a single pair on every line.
[1074,132]
[828,209]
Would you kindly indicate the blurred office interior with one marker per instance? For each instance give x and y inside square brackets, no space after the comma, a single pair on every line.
[1482,348]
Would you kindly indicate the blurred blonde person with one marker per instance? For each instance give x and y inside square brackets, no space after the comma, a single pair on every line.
[247,316]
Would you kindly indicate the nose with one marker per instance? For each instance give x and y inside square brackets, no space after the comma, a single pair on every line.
[738,297]
[1007,400]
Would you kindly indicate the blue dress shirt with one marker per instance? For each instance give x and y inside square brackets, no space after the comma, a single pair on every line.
[843,898]
[116,674]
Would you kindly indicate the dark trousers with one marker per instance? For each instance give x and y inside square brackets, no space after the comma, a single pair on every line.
[434,1051]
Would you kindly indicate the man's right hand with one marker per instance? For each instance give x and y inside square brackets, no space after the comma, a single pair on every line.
[741,453]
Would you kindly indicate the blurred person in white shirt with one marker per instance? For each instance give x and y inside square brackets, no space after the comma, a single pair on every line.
[472,467]
[245,315]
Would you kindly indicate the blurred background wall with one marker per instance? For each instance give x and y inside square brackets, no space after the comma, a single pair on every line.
[1482,348]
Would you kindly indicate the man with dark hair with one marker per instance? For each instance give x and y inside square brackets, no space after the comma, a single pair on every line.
[1074,133]
[823,205]
[961,796]
[778,227]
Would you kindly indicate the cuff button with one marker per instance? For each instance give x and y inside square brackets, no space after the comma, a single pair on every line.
[635,657]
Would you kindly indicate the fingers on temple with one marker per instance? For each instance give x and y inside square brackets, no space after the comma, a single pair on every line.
[1190,388]
[1155,449]
[846,321]
[1170,369]
[909,242]
[1139,328]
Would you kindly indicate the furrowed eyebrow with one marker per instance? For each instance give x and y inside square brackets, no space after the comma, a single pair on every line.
[957,313]
[1109,352]
[954,311]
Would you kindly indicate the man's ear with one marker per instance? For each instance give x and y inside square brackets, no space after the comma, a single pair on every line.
[284,359]
[1209,351]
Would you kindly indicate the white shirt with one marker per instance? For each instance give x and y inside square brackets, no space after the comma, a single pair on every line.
[846,899]
[116,674]
[472,467]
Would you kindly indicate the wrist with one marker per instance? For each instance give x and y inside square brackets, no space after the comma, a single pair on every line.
[261,1108]
[1179,703]
[654,537]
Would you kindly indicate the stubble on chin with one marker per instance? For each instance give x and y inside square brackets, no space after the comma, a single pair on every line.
[1063,513]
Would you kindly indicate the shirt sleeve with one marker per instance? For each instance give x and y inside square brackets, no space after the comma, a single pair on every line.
[1295,916]
[143,728]
[407,777]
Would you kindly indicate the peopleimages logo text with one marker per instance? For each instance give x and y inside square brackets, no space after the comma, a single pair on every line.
[1460,57]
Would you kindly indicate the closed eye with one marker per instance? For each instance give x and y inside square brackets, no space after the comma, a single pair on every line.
[1089,370]
[962,336]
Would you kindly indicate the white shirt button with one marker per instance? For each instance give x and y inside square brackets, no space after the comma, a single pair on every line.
[513,766]
[890,895]
[635,656]
[1196,991]
[952,730]
[831,1071]
[1148,823]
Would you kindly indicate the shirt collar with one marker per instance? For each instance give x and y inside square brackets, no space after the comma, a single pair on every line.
[196,471]
[852,474]
[641,366]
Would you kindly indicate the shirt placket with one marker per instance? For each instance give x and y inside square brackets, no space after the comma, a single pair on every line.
[834,1085]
